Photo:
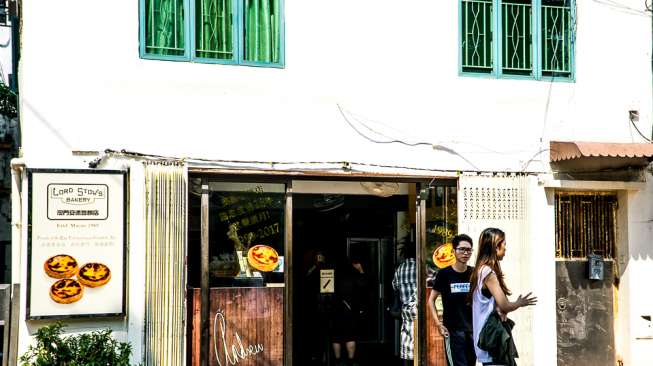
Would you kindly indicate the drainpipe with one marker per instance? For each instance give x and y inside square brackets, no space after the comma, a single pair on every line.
[17,170]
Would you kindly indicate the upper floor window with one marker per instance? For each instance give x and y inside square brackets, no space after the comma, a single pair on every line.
[518,38]
[245,32]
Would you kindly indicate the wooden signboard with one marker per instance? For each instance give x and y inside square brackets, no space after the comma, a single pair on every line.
[245,326]
[435,353]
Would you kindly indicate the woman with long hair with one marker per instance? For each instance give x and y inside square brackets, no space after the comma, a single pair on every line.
[488,288]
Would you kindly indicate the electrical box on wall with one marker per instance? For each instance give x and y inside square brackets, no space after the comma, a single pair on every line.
[595,267]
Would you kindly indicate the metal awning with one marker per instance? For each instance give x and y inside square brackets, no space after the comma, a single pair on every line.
[577,150]
[581,156]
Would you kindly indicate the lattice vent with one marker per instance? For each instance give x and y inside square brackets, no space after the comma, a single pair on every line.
[493,203]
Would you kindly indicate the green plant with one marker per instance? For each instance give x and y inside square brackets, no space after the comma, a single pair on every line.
[8,102]
[97,348]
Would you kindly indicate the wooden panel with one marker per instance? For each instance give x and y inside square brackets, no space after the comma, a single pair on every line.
[245,326]
[435,354]
[203,296]
[196,326]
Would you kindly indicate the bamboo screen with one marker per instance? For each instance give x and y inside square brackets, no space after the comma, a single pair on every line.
[586,223]
[165,217]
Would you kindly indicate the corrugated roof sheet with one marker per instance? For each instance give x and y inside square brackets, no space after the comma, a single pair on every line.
[568,150]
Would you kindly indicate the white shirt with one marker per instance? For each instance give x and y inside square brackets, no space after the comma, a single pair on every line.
[482,307]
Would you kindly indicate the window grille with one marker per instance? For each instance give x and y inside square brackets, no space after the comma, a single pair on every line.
[477,42]
[214,33]
[164,21]
[586,223]
[248,32]
[556,38]
[517,37]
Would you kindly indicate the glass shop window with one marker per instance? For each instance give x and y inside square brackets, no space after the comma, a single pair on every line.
[246,234]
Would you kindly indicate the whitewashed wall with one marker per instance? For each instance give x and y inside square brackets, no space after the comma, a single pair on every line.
[391,64]
[635,298]
[84,87]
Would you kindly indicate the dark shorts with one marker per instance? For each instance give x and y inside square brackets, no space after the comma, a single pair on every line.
[462,348]
[345,327]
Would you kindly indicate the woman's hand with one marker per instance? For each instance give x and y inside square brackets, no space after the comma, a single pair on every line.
[502,315]
[527,300]
[443,330]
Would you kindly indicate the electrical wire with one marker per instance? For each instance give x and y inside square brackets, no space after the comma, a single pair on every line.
[358,118]
[343,165]
[637,129]
[529,161]
[623,8]
[389,141]
[392,141]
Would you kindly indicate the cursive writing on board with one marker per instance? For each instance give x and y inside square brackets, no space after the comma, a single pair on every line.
[235,351]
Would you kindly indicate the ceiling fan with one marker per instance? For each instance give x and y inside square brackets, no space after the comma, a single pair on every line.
[329,202]
[381,189]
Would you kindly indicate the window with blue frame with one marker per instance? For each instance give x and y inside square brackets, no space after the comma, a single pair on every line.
[517,38]
[244,32]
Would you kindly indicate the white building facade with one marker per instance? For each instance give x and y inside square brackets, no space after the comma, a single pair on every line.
[467,91]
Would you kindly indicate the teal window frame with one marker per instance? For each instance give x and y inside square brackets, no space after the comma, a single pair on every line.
[190,35]
[536,50]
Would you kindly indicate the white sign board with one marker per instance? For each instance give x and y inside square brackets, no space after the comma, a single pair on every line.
[327,285]
[76,251]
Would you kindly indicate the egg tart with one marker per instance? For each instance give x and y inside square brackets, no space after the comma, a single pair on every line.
[94,274]
[263,258]
[60,266]
[66,291]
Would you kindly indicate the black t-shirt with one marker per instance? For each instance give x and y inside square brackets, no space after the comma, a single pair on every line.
[454,287]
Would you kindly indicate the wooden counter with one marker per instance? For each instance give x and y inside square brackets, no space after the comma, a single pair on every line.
[255,316]
[435,354]
[246,326]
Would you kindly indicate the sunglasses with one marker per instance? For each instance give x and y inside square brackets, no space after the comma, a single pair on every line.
[465,250]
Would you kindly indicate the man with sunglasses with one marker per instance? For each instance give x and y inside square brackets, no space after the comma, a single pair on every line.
[453,284]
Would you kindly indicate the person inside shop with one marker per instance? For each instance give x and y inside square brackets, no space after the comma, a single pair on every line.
[453,284]
[351,286]
[319,309]
[405,282]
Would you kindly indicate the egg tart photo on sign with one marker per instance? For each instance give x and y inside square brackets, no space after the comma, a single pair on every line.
[443,256]
[60,266]
[263,258]
[94,274]
[66,291]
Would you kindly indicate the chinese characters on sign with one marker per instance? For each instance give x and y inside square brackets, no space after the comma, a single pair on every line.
[76,243]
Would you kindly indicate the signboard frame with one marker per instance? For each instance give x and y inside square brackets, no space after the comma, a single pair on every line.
[125,220]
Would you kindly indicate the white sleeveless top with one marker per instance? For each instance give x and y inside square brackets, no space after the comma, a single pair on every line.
[482,307]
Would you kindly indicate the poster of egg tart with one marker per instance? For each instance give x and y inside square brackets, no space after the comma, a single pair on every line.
[443,256]
[60,266]
[66,291]
[76,246]
[263,258]
[94,274]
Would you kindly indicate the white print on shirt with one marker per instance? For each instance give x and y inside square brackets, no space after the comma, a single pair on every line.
[457,288]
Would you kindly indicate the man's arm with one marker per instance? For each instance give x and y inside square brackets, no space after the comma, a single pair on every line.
[438,324]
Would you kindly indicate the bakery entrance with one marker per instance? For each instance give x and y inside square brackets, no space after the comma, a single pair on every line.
[346,246]
[279,270]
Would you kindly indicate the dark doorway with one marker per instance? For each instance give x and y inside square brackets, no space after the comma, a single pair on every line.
[342,228]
